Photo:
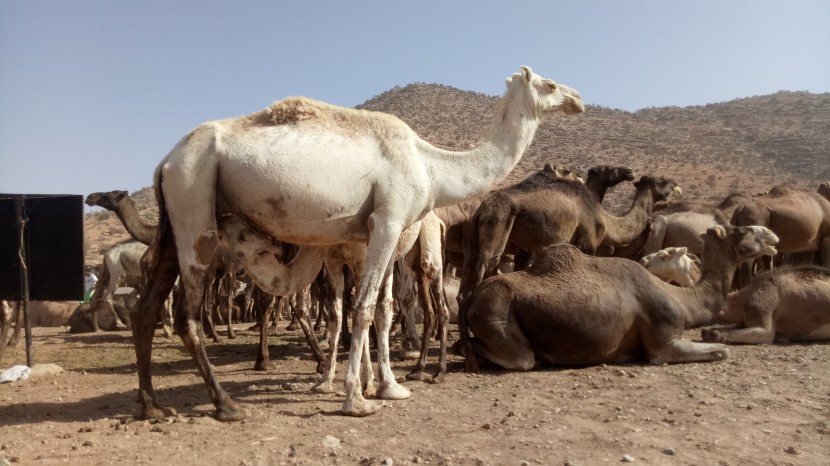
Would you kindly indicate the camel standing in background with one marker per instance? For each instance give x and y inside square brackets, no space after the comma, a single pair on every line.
[314,174]
[122,264]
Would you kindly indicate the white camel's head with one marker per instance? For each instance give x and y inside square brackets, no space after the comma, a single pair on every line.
[248,245]
[673,264]
[545,96]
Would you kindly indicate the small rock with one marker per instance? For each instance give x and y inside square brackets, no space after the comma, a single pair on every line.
[331,441]
[486,426]
[791,450]
[628,459]
[387,462]
[88,443]
[669,451]
[417,460]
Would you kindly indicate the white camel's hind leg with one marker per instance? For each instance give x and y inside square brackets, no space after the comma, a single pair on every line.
[678,350]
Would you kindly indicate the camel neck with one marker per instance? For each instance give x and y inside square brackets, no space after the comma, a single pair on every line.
[458,176]
[140,231]
[708,296]
[625,229]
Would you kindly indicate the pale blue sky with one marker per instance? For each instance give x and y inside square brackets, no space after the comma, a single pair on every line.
[94,93]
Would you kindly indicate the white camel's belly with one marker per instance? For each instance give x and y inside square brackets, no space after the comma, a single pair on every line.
[329,194]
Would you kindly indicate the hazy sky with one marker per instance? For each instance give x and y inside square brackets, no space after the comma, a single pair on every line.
[93,94]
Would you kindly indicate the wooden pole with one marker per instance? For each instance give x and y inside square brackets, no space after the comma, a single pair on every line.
[24,280]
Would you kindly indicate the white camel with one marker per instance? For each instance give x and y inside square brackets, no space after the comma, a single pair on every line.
[122,265]
[314,174]
[673,265]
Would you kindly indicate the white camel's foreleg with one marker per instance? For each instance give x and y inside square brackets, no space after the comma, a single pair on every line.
[382,244]
[390,389]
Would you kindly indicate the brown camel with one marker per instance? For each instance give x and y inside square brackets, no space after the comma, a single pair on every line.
[123,205]
[573,309]
[785,305]
[542,210]
[800,219]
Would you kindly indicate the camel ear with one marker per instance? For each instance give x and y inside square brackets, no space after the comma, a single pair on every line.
[681,250]
[718,230]
[527,73]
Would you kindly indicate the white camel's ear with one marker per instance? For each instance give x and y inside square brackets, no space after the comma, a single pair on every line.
[527,73]
[680,250]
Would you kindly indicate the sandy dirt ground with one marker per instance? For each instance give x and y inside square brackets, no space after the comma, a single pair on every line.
[766,405]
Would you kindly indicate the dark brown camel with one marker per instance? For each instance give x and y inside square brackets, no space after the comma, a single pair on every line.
[573,309]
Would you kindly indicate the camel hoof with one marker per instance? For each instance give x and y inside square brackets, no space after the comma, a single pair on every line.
[156,412]
[324,386]
[439,378]
[265,366]
[418,375]
[231,412]
[409,354]
[394,391]
[721,354]
[360,407]
[370,389]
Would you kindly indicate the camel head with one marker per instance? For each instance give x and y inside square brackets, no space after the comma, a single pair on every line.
[108,200]
[544,96]
[611,176]
[247,245]
[561,172]
[824,189]
[747,242]
[661,188]
[673,264]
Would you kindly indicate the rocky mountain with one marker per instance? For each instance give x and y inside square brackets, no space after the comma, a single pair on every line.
[748,144]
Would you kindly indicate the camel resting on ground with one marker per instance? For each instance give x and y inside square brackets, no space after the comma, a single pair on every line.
[673,265]
[786,304]
[573,309]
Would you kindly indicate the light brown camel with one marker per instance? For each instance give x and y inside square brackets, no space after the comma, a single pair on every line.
[542,210]
[573,309]
[800,219]
[314,174]
[673,265]
[785,305]
[682,224]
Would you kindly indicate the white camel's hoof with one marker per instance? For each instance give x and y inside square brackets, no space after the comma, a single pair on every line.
[359,407]
[323,387]
[394,391]
[370,390]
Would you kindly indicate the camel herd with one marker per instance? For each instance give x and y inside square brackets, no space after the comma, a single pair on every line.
[305,193]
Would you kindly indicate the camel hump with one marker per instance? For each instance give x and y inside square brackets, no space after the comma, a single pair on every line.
[289,111]
[556,258]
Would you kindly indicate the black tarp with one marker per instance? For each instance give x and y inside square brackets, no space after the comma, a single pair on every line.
[54,238]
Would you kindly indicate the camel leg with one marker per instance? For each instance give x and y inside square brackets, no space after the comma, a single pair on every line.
[335,321]
[377,270]
[5,324]
[746,336]
[389,388]
[263,360]
[18,326]
[425,298]
[302,318]
[443,321]
[678,350]
[160,279]
[410,342]
[227,287]
[207,310]
[503,343]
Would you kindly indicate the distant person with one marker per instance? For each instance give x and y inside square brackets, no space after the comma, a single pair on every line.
[89,284]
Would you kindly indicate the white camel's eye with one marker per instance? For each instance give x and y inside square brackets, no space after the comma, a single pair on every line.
[552,87]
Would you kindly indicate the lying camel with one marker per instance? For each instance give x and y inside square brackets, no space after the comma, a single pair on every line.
[786,304]
[673,265]
[574,309]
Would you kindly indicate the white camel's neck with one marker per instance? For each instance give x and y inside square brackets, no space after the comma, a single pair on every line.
[457,176]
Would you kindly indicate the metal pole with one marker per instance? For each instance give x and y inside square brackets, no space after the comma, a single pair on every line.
[24,280]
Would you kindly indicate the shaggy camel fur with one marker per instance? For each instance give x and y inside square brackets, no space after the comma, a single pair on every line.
[542,210]
[314,174]
[573,309]
[784,305]
[673,265]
